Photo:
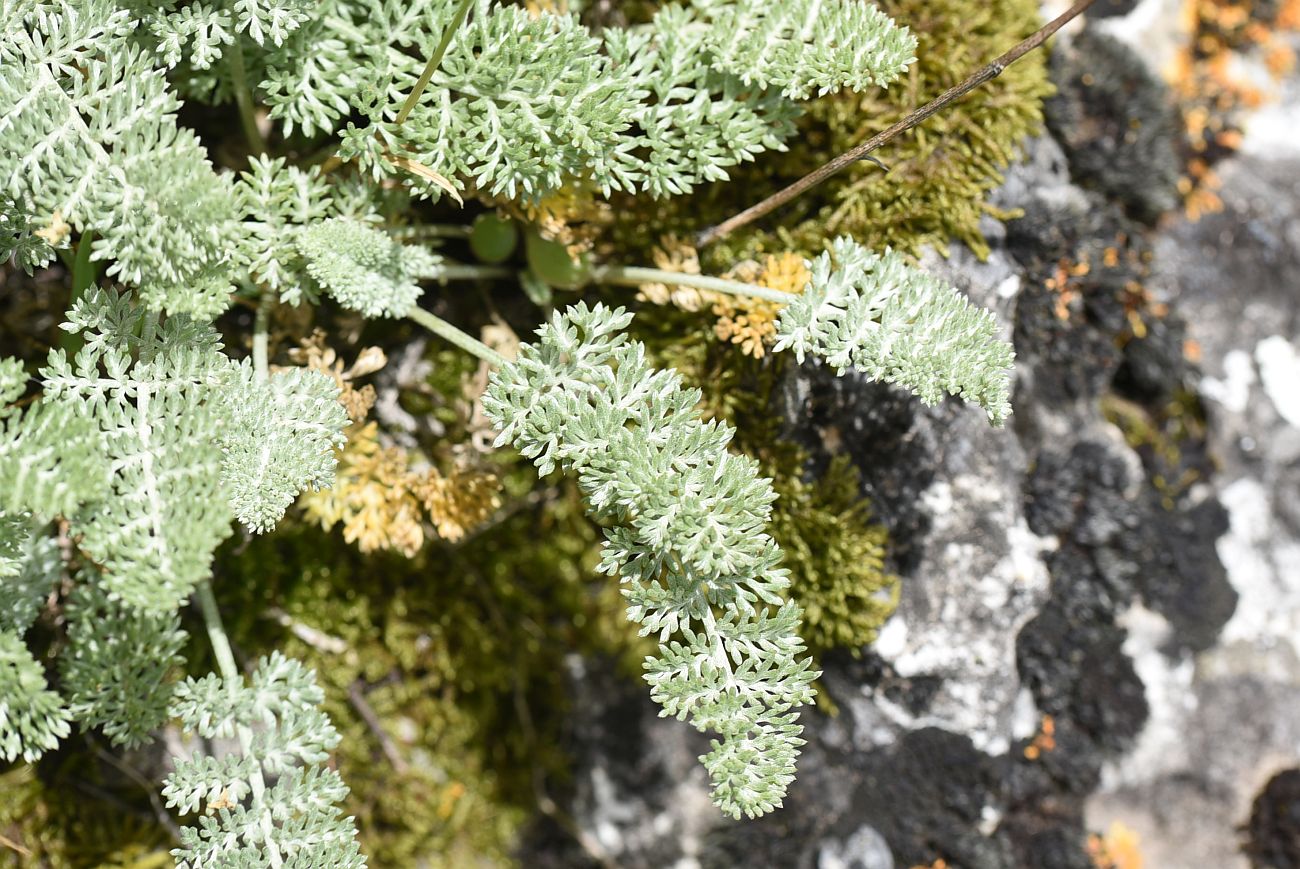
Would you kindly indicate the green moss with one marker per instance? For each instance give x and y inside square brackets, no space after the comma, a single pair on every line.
[70,814]
[941,172]
[836,558]
[1169,438]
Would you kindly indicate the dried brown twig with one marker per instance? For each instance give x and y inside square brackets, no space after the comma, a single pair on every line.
[984,74]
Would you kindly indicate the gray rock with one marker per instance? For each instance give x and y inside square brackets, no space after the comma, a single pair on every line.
[1224,721]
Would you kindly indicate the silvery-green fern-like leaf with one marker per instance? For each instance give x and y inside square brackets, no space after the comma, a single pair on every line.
[114,670]
[88,131]
[807,47]
[52,459]
[278,440]
[279,803]
[32,717]
[688,539]
[193,441]
[877,314]
[364,269]
[30,567]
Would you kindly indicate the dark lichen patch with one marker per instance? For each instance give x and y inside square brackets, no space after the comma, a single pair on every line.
[879,429]
[927,796]
[1273,831]
[1116,122]
[1084,296]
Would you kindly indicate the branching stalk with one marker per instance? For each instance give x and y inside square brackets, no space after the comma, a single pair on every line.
[457,19]
[860,152]
[81,272]
[261,329]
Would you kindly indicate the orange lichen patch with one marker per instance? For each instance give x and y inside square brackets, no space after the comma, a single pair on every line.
[1280,59]
[1066,288]
[1118,849]
[1200,202]
[1210,90]
[937,864]
[1044,740]
[1288,17]
[1192,350]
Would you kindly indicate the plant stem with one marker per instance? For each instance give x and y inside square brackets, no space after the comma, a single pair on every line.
[81,273]
[244,99]
[448,332]
[848,158]
[83,269]
[631,276]
[469,273]
[431,230]
[457,19]
[635,276]
[261,328]
[217,633]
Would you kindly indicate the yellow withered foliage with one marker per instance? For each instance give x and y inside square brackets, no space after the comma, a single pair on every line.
[379,497]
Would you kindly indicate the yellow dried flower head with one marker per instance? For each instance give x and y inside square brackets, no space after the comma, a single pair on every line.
[371,497]
[573,215]
[751,323]
[744,321]
[381,502]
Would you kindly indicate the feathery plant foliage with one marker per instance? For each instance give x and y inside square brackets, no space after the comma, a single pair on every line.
[689,539]
[282,736]
[147,441]
[876,314]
